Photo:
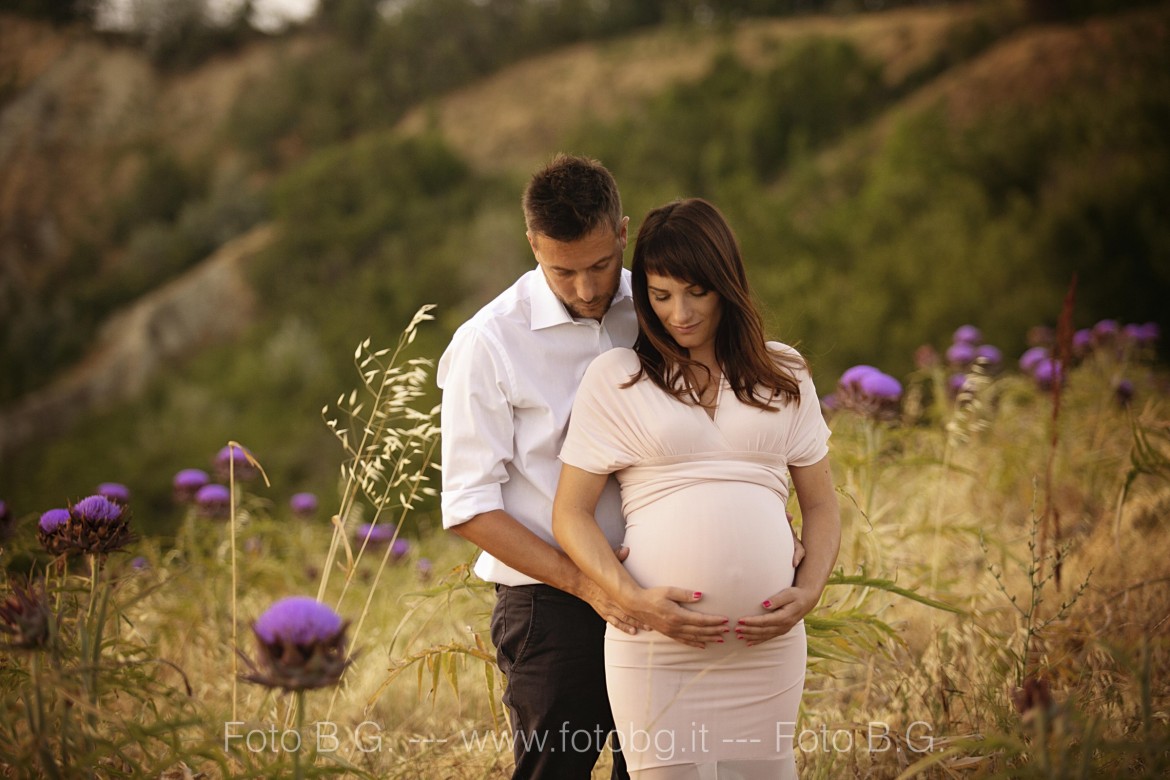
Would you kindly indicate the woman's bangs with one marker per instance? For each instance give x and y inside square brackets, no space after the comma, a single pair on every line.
[680,260]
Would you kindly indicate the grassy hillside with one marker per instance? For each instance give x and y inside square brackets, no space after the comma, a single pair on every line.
[891,176]
[1000,606]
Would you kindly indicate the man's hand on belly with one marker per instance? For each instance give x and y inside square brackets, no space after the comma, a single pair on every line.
[662,609]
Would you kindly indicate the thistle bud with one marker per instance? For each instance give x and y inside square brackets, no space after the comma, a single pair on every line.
[302,645]
[5,522]
[25,617]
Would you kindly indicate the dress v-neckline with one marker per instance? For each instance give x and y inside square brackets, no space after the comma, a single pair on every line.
[712,413]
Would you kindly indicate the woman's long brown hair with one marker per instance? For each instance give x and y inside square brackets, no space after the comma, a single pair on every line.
[690,240]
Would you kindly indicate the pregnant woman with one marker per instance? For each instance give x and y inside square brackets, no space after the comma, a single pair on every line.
[703,422]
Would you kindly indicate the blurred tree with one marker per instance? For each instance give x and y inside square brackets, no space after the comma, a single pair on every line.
[355,21]
[55,11]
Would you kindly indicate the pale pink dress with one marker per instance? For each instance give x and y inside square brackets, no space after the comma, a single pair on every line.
[704,503]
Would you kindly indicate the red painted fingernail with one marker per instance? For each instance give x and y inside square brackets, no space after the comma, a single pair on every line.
[698,594]
[742,624]
[767,604]
[720,641]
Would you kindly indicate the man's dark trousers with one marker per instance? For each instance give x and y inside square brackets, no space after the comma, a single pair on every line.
[550,646]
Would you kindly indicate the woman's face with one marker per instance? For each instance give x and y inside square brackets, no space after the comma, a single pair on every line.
[689,313]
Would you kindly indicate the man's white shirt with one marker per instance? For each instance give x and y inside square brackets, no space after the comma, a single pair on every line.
[509,378]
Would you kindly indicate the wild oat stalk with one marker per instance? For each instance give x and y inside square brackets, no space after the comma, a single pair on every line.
[389,463]
[232,448]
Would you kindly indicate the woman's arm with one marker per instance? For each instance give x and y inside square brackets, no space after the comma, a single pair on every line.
[821,534]
[582,540]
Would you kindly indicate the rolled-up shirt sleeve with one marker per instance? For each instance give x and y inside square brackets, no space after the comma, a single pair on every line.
[477,426]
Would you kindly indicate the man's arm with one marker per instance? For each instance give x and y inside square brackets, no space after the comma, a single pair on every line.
[660,608]
[505,539]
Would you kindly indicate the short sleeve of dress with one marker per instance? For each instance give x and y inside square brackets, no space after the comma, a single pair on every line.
[600,436]
[808,438]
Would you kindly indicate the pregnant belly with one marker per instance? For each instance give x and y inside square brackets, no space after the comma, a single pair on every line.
[728,540]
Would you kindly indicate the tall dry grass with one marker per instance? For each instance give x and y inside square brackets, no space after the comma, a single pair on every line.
[946,644]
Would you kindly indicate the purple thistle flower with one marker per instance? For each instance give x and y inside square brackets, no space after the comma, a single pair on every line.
[880,386]
[302,645]
[1031,358]
[829,402]
[989,354]
[968,334]
[960,353]
[303,504]
[115,491]
[97,509]
[852,375]
[1106,330]
[298,619]
[955,383]
[424,568]
[399,549]
[375,534]
[53,531]
[213,500]
[1123,392]
[1047,373]
[187,482]
[139,563]
[867,390]
[234,454]
[1082,341]
[1142,335]
[98,525]
[52,520]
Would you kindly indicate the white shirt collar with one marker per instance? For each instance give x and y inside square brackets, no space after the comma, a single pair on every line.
[547,309]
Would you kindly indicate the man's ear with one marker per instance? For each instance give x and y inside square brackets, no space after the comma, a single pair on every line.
[624,232]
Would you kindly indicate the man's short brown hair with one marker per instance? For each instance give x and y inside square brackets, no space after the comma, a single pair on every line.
[570,197]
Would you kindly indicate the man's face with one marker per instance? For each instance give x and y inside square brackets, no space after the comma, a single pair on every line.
[583,274]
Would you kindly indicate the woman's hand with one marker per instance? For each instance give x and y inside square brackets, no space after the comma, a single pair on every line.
[785,610]
[662,610]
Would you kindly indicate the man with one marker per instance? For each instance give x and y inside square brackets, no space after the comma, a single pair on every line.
[509,378]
